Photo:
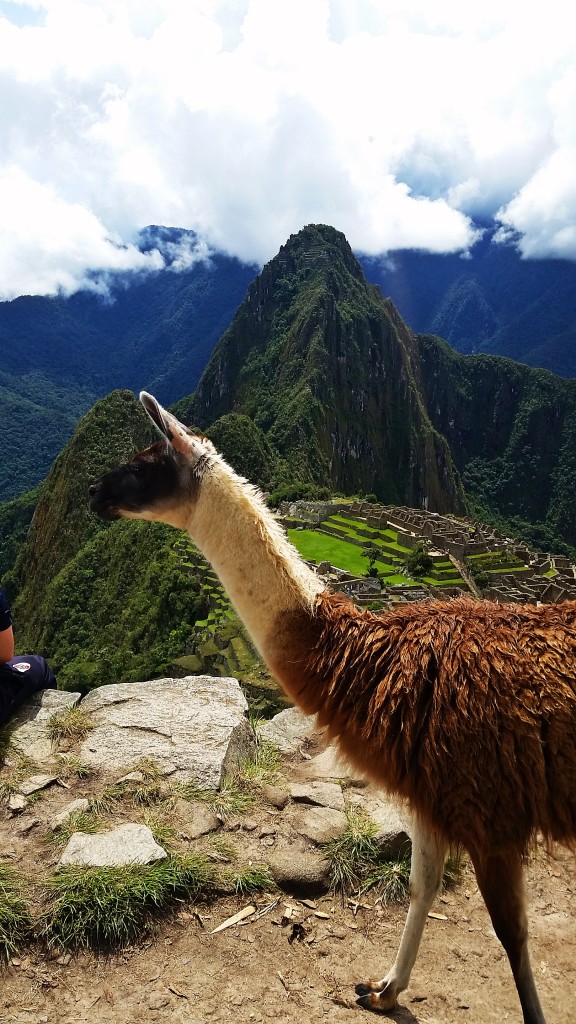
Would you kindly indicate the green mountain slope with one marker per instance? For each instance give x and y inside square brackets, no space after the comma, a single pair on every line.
[347,396]
[326,370]
[110,602]
[113,429]
[493,301]
[512,434]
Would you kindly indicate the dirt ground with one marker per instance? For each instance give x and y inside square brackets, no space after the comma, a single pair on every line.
[270,970]
[291,960]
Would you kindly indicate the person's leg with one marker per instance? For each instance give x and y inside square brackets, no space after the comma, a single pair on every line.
[40,675]
[20,678]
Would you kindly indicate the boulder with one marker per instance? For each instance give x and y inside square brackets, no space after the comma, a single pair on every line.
[28,728]
[288,730]
[318,824]
[299,871]
[194,728]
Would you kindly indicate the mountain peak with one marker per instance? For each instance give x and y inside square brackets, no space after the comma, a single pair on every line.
[316,247]
[328,372]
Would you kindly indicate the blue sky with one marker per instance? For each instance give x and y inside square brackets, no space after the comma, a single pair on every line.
[396,121]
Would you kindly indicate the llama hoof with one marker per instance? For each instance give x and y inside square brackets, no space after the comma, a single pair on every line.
[374,997]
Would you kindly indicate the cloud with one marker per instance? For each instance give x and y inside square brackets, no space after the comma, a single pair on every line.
[542,213]
[49,246]
[242,120]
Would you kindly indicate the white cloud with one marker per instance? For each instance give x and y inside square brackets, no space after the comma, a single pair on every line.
[543,210]
[48,245]
[394,120]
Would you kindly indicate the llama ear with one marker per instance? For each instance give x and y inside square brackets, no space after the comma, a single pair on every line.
[157,414]
[176,433]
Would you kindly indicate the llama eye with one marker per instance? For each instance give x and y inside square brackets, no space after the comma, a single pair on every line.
[137,470]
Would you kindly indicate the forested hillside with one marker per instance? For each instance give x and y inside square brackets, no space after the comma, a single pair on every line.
[101,600]
[490,301]
[61,354]
[346,396]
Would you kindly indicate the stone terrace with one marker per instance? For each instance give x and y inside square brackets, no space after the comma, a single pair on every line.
[515,574]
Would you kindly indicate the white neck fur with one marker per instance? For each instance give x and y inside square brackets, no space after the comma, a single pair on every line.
[262,573]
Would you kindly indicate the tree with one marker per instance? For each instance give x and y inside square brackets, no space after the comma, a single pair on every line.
[418,563]
[372,553]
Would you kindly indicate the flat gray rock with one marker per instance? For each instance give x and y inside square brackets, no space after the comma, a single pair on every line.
[318,824]
[331,765]
[288,730]
[197,819]
[77,806]
[35,782]
[127,844]
[322,794]
[194,728]
[28,728]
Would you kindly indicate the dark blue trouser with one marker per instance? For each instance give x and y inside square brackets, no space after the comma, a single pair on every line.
[19,679]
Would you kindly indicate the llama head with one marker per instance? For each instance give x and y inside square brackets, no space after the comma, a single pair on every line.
[159,483]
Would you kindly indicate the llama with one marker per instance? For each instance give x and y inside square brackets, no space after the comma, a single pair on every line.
[465,709]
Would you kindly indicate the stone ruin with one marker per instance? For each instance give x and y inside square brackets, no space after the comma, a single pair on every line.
[537,577]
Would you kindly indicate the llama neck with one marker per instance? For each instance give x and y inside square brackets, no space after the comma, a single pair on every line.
[262,573]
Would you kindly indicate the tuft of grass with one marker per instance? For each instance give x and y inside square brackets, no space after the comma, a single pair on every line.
[254,878]
[235,796]
[390,880]
[223,848]
[138,794]
[190,791]
[15,921]
[16,767]
[149,768]
[112,907]
[78,821]
[255,719]
[148,794]
[453,868]
[163,831]
[70,767]
[230,799]
[73,724]
[263,767]
[106,800]
[353,853]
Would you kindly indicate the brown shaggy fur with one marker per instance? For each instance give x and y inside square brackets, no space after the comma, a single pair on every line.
[467,709]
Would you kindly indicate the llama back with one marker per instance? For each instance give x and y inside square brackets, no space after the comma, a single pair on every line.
[465,708]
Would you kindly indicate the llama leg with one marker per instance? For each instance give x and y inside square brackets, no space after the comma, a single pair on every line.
[428,856]
[500,882]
